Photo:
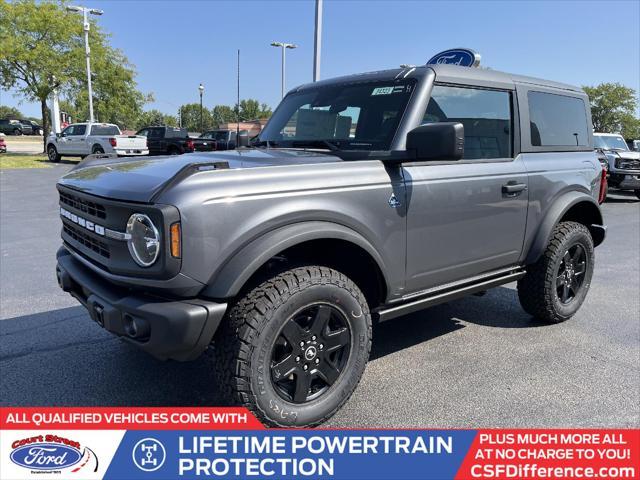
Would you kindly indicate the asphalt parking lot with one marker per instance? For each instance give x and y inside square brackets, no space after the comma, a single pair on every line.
[476,362]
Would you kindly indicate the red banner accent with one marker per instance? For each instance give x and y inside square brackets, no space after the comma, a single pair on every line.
[127,418]
[566,453]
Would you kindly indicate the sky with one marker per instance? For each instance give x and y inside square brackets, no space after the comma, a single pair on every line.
[176,45]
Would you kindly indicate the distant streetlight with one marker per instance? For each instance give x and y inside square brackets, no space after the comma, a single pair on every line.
[284,46]
[85,11]
[201,89]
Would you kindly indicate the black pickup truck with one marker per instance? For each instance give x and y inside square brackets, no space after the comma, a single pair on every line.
[222,140]
[167,140]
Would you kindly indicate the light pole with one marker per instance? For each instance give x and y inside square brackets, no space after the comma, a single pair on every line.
[284,46]
[201,89]
[85,12]
[317,44]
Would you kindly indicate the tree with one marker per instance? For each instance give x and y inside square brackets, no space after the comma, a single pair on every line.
[10,112]
[251,109]
[223,114]
[190,113]
[613,109]
[155,117]
[43,50]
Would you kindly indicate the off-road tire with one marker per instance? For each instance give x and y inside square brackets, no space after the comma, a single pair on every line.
[242,347]
[53,154]
[537,290]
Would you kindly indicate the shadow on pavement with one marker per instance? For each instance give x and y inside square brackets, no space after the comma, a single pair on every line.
[63,358]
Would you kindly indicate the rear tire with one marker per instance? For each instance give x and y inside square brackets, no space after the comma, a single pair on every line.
[556,285]
[53,155]
[97,150]
[294,348]
[174,151]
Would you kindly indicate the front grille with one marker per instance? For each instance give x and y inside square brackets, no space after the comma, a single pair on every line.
[82,238]
[90,208]
[628,164]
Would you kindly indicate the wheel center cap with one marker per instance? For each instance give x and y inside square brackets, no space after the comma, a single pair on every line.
[310,353]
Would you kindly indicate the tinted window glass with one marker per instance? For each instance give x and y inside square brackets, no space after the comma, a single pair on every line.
[104,130]
[79,130]
[68,131]
[175,132]
[485,114]
[557,120]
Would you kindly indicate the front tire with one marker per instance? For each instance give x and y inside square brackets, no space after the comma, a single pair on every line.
[294,348]
[53,155]
[556,285]
[17,132]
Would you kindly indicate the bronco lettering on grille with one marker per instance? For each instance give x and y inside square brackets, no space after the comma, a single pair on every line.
[83,222]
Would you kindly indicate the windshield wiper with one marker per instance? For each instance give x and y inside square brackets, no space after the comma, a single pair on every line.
[265,143]
[316,143]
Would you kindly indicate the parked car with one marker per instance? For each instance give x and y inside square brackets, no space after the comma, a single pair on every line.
[624,164]
[3,144]
[14,127]
[36,129]
[366,198]
[224,139]
[167,140]
[82,139]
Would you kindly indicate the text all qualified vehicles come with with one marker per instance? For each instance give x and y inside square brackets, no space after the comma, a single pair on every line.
[365,198]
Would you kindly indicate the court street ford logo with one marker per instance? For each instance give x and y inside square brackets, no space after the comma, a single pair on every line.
[36,453]
[462,57]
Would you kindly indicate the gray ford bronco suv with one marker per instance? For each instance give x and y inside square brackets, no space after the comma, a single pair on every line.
[364,198]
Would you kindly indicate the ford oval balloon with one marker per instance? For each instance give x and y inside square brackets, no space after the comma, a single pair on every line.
[462,57]
[46,456]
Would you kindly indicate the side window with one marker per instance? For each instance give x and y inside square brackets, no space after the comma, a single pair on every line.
[68,131]
[485,114]
[79,130]
[557,120]
[154,133]
[143,133]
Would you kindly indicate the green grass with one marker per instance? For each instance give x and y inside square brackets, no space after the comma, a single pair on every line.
[20,160]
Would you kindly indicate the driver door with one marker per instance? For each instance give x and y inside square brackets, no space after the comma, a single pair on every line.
[462,220]
[64,145]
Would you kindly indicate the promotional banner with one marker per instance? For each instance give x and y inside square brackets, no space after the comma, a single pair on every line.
[168,443]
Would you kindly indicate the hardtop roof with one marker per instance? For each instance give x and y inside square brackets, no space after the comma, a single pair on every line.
[447,74]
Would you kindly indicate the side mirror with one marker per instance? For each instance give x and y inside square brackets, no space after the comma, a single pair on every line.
[58,135]
[437,141]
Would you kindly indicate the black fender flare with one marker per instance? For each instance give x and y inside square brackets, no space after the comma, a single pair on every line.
[231,277]
[556,212]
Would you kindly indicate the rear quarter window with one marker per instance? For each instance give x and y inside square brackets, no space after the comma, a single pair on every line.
[557,120]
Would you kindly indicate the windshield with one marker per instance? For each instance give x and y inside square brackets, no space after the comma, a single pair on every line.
[105,130]
[361,116]
[613,142]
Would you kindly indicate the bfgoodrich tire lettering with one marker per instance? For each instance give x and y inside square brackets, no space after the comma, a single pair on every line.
[244,345]
[556,285]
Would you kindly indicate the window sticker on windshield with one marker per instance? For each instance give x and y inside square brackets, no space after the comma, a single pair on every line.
[388,90]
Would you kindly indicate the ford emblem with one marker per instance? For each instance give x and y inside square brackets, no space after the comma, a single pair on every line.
[46,456]
[462,57]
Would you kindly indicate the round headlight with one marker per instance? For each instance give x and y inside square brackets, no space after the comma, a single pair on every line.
[144,240]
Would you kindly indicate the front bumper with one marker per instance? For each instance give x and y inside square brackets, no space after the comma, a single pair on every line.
[165,328]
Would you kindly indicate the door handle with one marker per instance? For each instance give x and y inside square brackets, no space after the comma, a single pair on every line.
[513,189]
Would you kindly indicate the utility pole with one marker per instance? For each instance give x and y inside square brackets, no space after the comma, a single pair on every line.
[201,89]
[85,11]
[284,46]
[317,44]
[238,104]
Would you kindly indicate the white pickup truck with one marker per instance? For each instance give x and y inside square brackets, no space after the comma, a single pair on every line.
[82,139]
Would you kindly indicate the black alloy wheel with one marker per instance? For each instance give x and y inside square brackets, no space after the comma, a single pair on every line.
[310,353]
[571,274]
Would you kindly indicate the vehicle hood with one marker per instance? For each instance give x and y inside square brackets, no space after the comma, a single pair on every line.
[140,180]
[627,155]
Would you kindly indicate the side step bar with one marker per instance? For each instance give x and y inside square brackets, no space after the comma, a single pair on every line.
[446,294]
